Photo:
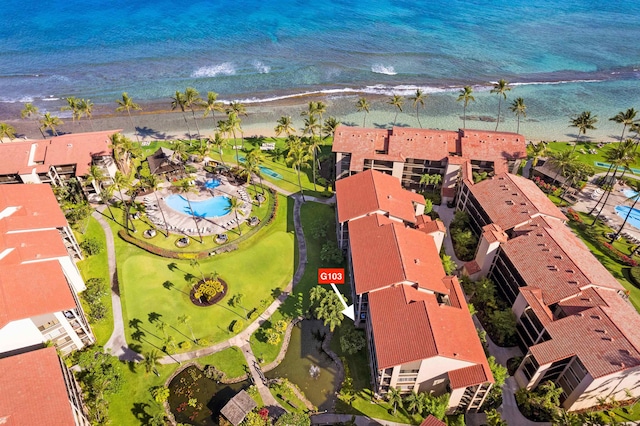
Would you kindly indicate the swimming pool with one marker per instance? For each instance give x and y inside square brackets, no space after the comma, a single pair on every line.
[212,183]
[212,207]
[634,217]
[267,171]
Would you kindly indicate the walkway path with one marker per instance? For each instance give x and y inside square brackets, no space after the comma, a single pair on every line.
[332,419]
[117,343]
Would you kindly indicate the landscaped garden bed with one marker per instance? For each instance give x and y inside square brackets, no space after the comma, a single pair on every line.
[208,292]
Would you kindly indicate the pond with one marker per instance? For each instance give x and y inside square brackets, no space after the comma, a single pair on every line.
[209,396]
[306,365]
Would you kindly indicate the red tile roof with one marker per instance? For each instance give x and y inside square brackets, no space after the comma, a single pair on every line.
[25,293]
[410,325]
[468,376]
[37,207]
[76,148]
[605,338]
[549,256]
[428,225]
[385,252]
[432,421]
[511,200]
[372,191]
[401,143]
[29,246]
[33,390]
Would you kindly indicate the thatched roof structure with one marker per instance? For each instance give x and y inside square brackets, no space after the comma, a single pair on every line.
[162,162]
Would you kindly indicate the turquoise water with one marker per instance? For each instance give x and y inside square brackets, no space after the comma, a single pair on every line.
[563,57]
[212,207]
[265,170]
[212,183]
[634,216]
[629,193]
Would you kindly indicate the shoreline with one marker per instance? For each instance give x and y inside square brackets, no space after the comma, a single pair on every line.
[157,122]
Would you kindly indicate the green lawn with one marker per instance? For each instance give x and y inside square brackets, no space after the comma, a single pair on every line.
[587,158]
[230,361]
[289,180]
[618,270]
[153,286]
[310,213]
[96,266]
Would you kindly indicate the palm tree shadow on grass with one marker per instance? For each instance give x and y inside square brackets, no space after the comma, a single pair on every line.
[154,316]
[171,286]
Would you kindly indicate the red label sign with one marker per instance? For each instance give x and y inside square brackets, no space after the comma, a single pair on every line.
[330,275]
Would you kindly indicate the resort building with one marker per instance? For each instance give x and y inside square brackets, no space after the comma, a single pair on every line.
[574,321]
[408,153]
[421,336]
[57,159]
[39,280]
[38,389]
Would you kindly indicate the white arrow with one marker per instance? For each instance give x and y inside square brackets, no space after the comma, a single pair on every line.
[348,310]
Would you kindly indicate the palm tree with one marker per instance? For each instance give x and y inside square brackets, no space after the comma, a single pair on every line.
[185,187]
[184,319]
[624,153]
[500,88]
[105,196]
[49,121]
[254,160]
[236,205]
[122,150]
[310,127]
[297,157]
[237,107]
[29,110]
[583,122]
[179,152]
[418,101]
[414,402]
[178,101]
[563,161]
[436,179]
[330,125]
[465,96]
[538,150]
[234,123]
[153,182]
[284,125]
[121,182]
[211,105]
[394,397]
[202,149]
[519,109]
[250,167]
[425,180]
[635,185]
[151,361]
[320,109]
[363,105]
[85,107]
[626,118]
[7,131]
[127,104]
[73,106]
[191,100]
[397,101]
[218,143]
[95,177]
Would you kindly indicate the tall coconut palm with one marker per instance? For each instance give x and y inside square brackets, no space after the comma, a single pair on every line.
[122,151]
[284,125]
[185,187]
[234,124]
[254,160]
[211,105]
[310,126]
[151,361]
[538,150]
[237,107]
[178,102]
[49,121]
[635,186]
[621,154]
[320,109]
[29,110]
[95,177]
[397,101]
[519,108]
[153,182]
[465,96]
[179,152]
[584,121]
[562,162]
[85,108]
[363,106]
[121,182]
[236,205]
[192,100]
[7,131]
[626,118]
[73,105]
[186,320]
[330,125]
[298,157]
[218,143]
[418,101]
[105,195]
[127,104]
[500,88]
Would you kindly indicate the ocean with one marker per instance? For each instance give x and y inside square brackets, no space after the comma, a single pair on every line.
[561,57]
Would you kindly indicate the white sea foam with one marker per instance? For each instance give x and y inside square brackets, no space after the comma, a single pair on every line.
[383,69]
[261,67]
[225,68]
[20,100]
[536,83]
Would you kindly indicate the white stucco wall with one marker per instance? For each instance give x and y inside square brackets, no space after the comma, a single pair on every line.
[19,334]
[71,272]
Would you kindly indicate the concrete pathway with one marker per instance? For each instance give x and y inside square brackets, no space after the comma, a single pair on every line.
[332,419]
[117,343]
[258,377]
[509,409]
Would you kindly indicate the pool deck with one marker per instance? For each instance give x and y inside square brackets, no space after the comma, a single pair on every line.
[609,216]
[181,223]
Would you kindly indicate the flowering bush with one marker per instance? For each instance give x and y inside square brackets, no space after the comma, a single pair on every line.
[547,187]
[574,216]
[617,253]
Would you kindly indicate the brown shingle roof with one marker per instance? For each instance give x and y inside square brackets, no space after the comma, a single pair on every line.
[238,407]
[372,191]
[33,390]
